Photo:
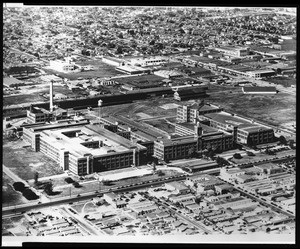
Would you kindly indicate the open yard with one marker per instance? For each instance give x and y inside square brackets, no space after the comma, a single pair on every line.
[24,162]
[275,110]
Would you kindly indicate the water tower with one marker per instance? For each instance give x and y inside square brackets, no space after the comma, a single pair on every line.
[99,107]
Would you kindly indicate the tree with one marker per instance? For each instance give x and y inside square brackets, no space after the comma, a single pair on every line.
[221,161]
[120,36]
[119,50]
[19,186]
[151,43]
[48,188]
[237,156]
[282,140]
[36,177]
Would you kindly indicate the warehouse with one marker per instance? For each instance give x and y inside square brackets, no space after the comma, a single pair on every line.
[187,93]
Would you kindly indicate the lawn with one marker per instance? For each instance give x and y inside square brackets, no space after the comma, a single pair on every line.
[24,162]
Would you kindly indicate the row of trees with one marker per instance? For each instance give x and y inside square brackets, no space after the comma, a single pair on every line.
[26,192]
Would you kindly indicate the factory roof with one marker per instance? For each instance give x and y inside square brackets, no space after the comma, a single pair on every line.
[109,142]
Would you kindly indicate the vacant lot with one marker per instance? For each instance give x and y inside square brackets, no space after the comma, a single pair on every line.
[24,162]
[276,109]
[133,110]
[102,70]
[10,197]
[30,94]
[284,81]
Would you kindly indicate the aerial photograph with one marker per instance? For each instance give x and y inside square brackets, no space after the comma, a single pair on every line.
[164,124]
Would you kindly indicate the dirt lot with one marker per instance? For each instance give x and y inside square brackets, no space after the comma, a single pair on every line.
[24,162]
[273,109]
[10,197]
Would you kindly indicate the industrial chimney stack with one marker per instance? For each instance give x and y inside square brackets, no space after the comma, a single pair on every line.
[51,96]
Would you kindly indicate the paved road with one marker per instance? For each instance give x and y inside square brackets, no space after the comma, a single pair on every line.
[84,196]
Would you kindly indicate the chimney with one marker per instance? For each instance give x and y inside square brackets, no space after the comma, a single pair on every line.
[51,96]
[198,130]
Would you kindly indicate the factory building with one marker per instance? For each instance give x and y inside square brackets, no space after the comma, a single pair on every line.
[187,93]
[190,112]
[36,115]
[84,149]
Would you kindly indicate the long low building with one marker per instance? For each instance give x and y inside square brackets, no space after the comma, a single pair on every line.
[259,90]
[84,149]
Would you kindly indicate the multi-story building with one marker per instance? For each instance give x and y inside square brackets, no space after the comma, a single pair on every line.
[246,131]
[188,113]
[36,115]
[84,149]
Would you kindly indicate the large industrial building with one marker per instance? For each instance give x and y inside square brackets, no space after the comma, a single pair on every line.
[82,148]
[247,131]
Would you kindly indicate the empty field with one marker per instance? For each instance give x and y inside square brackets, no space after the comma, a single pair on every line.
[24,162]
[273,109]
[150,107]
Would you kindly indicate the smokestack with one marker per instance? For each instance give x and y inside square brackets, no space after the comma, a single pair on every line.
[51,96]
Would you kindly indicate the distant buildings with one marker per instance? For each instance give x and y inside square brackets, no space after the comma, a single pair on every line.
[233,51]
[62,66]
